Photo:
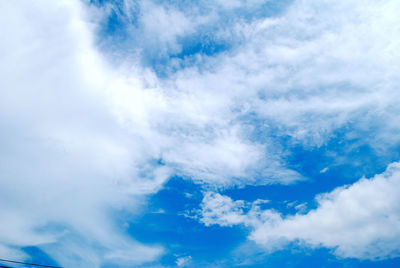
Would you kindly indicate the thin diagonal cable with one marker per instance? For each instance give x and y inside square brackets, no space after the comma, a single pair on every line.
[31,264]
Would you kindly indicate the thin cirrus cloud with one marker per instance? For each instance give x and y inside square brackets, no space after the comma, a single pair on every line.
[92,124]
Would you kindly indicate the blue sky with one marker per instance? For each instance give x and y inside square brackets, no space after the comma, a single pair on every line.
[226,133]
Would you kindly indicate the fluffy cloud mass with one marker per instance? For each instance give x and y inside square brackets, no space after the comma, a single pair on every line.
[94,120]
[65,159]
[358,221]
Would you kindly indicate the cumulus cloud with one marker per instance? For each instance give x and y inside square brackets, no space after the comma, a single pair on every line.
[358,221]
[221,210]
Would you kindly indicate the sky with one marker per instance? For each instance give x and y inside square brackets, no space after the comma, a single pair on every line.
[225,133]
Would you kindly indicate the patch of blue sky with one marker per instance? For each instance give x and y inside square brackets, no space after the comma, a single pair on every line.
[245,10]
[342,160]
[191,48]
[250,256]
[114,33]
[165,224]
[35,256]
[38,256]
[295,255]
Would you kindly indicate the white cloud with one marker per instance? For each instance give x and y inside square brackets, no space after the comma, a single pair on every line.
[358,221]
[65,159]
[221,210]
[164,23]
[306,73]
[183,261]
[312,70]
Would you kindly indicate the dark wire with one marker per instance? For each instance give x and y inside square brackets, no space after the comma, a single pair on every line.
[31,264]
